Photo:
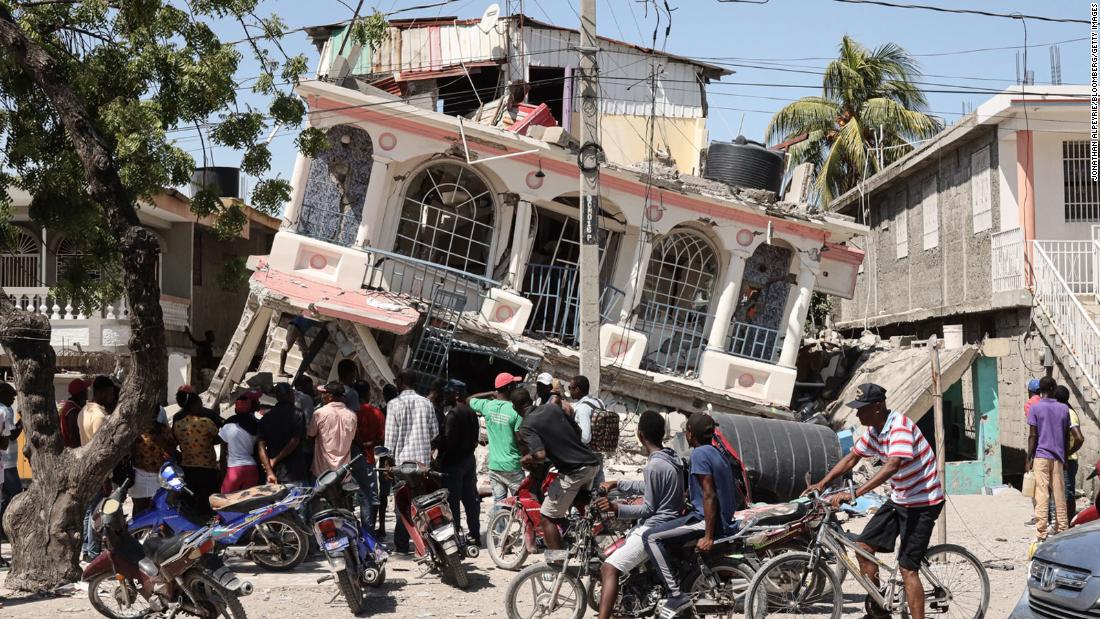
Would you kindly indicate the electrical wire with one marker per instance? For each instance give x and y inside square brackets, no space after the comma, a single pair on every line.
[926,7]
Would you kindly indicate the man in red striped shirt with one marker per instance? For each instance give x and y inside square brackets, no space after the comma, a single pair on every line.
[915,502]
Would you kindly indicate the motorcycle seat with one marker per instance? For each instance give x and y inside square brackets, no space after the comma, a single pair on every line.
[248,500]
[425,500]
[160,549]
[774,515]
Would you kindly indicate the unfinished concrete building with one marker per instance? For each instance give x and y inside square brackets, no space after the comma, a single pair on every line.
[444,237]
[993,225]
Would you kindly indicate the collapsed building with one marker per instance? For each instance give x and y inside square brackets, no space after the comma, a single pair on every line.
[439,230]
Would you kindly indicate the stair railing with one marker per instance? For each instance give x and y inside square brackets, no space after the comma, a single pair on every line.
[1057,299]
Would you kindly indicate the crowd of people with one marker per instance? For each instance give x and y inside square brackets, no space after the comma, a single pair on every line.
[1054,437]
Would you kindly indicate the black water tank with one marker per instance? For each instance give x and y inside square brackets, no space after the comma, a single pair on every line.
[226,182]
[743,163]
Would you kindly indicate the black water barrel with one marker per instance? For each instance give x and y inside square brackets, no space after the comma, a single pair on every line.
[777,454]
[744,163]
[225,181]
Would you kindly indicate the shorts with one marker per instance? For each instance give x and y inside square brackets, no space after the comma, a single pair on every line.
[303,324]
[145,484]
[913,524]
[631,554]
[563,491]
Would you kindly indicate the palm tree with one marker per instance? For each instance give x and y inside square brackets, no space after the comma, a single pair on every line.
[868,101]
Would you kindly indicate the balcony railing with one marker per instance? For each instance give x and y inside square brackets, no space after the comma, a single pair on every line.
[554,295]
[1008,260]
[676,336]
[1075,262]
[753,342]
[41,301]
[329,225]
[420,279]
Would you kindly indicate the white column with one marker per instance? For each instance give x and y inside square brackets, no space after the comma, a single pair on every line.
[298,180]
[42,260]
[796,315]
[374,205]
[521,235]
[727,303]
[632,289]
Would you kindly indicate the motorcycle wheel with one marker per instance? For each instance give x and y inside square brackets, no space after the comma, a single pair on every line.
[290,541]
[505,542]
[350,586]
[734,577]
[116,599]
[212,600]
[528,595]
[455,570]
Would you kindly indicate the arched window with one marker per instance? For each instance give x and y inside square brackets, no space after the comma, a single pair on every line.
[683,269]
[447,218]
[20,261]
[761,302]
[67,251]
[336,189]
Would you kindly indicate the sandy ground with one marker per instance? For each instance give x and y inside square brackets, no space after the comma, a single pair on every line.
[991,527]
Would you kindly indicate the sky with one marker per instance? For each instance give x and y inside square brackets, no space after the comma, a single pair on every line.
[777,48]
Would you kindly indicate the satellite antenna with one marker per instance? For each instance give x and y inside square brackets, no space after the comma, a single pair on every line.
[489,18]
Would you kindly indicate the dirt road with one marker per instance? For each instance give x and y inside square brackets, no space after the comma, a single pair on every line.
[991,527]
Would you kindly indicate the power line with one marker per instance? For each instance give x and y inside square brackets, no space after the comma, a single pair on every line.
[926,7]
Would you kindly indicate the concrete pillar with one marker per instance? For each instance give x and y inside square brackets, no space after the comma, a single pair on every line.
[727,303]
[374,205]
[521,237]
[796,315]
[298,180]
[635,283]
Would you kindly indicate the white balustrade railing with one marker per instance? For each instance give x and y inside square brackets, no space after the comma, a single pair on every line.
[1008,260]
[1056,296]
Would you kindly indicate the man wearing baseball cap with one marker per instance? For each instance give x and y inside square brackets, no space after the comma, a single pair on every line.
[501,424]
[915,502]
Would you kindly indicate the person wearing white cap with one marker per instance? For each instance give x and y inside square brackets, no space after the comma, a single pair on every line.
[545,391]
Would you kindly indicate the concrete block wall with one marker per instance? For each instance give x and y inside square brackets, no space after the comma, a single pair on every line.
[953,274]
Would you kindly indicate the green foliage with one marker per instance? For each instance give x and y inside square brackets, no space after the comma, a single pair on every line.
[369,31]
[821,307]
[147,71]
[234,274]
[869,101]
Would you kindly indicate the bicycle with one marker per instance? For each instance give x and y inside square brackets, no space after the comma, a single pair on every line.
[803,584]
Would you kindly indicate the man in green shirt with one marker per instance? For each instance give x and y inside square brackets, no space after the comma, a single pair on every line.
[501,424]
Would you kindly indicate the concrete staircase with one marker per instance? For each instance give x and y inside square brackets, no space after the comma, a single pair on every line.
[344,341]
[277,341]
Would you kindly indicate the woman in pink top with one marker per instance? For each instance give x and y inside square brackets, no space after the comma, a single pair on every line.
[333,430]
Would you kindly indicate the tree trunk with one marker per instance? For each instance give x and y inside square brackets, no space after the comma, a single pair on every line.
[50,514]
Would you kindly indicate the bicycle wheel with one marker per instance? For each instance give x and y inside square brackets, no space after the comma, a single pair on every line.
[787,586]
[956,584]
[530,595]
[727,599]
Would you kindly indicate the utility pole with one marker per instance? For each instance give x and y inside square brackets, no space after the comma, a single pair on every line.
[589,161]
[937,410]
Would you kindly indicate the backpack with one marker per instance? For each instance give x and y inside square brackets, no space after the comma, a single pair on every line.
[743,491]
[605,427]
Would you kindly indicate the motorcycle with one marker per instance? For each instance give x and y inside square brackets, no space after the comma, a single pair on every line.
[717,580]
[515,531]
[1090,513]
[427,517]
[260,523]
[163,576]
[355,558]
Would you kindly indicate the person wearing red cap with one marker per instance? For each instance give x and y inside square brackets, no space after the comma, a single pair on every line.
[501,424]
[78,397]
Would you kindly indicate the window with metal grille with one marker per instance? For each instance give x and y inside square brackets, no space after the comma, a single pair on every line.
[68,251]
[682,271]
[1082,194]
[447,218]
[19,262]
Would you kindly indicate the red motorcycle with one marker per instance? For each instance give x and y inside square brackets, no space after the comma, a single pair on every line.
[515,531]
[1090,513]
[427,517]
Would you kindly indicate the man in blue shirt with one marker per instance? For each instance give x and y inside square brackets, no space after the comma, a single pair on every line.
[713,503]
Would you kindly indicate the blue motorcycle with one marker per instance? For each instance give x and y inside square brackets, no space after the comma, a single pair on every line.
[260,523]
[355,558]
